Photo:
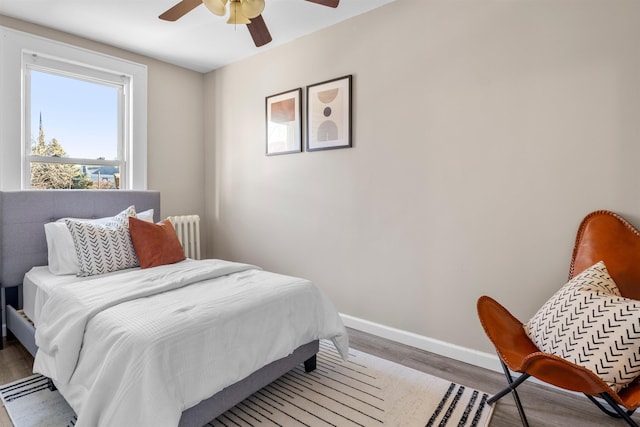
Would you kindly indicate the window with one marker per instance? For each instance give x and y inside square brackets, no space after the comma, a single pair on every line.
[71,114]
[75,118]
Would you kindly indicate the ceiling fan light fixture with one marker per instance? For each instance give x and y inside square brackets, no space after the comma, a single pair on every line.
[251,8]
[216,6]
[248,12]
[235,14]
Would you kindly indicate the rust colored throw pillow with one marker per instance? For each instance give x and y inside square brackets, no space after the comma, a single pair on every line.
[155,244]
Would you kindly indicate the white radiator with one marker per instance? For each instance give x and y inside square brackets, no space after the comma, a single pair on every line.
[188,230]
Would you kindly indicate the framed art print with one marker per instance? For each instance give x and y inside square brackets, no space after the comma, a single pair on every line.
[329,114]
[284,122]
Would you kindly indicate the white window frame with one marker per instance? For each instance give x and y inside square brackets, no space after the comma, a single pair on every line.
[33,62]
[16,50]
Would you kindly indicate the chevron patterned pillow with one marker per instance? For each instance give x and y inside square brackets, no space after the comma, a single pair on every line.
[102,248]
[122,219]
[589,323]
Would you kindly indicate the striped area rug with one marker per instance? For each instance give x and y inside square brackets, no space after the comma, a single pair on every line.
[364,391]
[29,403]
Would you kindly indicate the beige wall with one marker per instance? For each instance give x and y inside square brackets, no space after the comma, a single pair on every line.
[484,131]
[174,120]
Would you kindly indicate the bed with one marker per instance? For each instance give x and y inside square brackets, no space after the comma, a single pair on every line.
[23,249]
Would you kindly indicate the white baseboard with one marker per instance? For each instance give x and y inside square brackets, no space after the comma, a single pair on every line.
[456,352]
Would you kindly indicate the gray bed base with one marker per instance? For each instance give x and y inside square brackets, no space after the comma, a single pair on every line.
[23,245]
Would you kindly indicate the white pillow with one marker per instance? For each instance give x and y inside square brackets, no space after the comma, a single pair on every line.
[62,256]
[590,324]
[61,251]
[145,215]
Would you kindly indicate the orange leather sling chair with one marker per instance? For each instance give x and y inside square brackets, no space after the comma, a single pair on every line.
[602,236]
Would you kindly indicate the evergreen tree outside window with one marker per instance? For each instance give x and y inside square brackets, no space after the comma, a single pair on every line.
[55,175]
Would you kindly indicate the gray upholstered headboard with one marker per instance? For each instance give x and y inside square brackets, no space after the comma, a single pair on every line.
[24,213]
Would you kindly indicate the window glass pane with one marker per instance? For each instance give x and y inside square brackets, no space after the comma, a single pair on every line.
[46,176]
[103,177]
[82,116]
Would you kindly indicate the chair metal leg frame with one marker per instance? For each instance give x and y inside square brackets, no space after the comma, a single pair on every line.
[619,412]
[512,388]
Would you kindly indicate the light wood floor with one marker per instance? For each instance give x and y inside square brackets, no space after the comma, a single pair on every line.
[15,363]
[544,406]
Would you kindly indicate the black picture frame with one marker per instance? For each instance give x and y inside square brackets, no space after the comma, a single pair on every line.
[283,113]
[329,114]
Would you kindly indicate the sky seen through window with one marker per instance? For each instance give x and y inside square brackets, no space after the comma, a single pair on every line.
[81,115]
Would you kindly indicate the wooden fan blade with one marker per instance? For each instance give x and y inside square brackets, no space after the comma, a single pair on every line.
[259,32]
[330,3]
[180,9]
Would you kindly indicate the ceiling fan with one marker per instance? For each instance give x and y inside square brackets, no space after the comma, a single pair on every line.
[247,12]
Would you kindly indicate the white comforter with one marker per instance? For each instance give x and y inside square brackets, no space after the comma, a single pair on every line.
[141,349]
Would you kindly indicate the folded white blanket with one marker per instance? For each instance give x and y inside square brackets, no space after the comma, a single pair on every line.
[141,349]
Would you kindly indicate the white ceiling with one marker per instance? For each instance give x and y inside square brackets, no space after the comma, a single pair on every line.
[199,41]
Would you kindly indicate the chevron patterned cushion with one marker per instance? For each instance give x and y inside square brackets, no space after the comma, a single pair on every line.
[102,248]
[590,324]
[61,251]
[122,219]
